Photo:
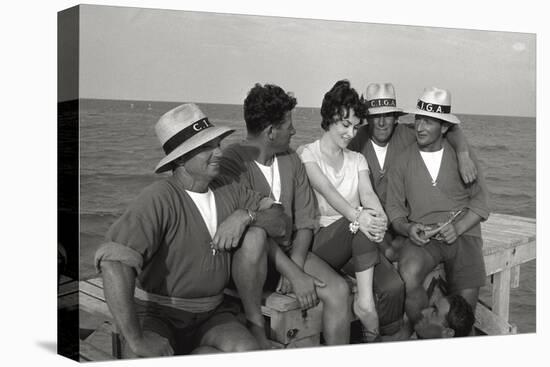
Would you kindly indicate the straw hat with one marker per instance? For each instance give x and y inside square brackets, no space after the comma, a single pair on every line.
[381,99]
[183,129]
[436,103]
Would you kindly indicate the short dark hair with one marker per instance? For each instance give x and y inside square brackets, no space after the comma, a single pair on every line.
[266,105]
[461,315]
[338,101]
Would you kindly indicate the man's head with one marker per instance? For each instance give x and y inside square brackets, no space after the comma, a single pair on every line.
[430,132]
[383,112]
[433,118]
[202,163]
[446,317]
[268,110]
[381,127]
[186,135]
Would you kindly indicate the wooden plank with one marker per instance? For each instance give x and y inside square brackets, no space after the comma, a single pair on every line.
[98,282]
[88,352]
[514,281]
[94,305]
[310,341]
[288,326]
[281,302]
[492,244]
[67,288]
[102,339]
[508,218]
[501,294]
[64,279]
[498,261]
[490,323]
[68,301]
[91,289]
[505,231]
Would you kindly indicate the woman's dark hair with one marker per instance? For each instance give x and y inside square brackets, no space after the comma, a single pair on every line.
[461,316]
[266,105]
[338,101]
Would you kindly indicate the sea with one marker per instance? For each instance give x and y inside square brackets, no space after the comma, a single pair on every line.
[119,151]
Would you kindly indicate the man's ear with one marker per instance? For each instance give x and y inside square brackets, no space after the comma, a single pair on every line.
[447,333]
[444,128]
[269,132]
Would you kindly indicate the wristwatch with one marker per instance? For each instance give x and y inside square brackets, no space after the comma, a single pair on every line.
[252,215]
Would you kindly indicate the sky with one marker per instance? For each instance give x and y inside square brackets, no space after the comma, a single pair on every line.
[175,55]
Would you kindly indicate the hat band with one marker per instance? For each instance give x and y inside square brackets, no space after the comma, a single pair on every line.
[178,139]
[382,102]
[432,107]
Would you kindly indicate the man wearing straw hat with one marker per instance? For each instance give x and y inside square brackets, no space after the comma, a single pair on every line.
[439,215]
[383,139]
[166,260]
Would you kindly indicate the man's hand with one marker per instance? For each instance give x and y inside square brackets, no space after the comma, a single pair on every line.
[449,233]
[415,234]
[373,224]
[151,345]
[467,167]
[304,289]
[229,233]
[284,286]
[372,221]
[276,223]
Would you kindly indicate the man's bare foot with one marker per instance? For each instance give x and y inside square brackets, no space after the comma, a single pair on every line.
[259,333]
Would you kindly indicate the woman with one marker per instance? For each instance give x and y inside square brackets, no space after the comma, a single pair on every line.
[352,220]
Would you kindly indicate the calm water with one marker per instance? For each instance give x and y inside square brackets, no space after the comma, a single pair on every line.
[119,151]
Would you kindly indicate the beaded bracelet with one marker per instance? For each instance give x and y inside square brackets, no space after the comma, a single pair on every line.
[354,226]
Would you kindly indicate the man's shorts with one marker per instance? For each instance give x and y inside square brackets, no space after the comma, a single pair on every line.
[183,329]
[463,260]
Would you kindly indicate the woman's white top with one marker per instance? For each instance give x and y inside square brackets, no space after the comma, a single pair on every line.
[345,180]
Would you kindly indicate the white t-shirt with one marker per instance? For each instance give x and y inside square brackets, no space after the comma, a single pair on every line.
[273,177]
[346,180]
[206,203]
[432,160]
[380,153]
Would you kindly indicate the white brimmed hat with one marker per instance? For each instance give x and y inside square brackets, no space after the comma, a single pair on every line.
[183,129]
[380,98]
[435,102]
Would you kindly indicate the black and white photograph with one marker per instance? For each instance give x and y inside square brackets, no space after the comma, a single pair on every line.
[254,183]
[262,184]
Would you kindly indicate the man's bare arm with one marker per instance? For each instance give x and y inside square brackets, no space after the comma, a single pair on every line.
[119,285]
[466,166]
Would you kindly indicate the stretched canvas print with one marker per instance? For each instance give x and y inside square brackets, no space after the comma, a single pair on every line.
[230,183]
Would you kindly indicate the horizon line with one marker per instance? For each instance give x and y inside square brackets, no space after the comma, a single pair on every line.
[239,104]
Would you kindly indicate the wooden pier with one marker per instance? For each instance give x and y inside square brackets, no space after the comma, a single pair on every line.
[509,241]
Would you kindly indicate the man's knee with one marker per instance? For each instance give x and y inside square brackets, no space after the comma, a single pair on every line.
[412,271]
[254,244]
[242,345]
[336,292]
